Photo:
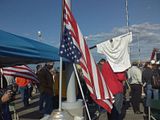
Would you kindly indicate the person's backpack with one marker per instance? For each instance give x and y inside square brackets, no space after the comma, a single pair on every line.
[155,82]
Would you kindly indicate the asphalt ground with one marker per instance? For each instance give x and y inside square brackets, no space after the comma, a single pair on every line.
[31,112]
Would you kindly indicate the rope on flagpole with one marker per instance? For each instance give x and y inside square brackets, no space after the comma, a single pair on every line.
[75,69]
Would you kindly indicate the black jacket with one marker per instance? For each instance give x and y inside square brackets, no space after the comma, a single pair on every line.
[147,75]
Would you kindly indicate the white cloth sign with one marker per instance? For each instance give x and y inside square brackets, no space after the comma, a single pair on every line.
[116,51]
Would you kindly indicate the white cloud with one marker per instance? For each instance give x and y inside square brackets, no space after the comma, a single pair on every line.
[146,36]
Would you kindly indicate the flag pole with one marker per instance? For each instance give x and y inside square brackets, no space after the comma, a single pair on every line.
[75,69]
[59,114]
[127,15]
[1,77]
[60,86]
[61,62]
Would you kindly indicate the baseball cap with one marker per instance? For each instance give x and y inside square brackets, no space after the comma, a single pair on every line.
[153,62]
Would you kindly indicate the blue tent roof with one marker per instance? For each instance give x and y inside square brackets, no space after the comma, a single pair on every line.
[17,50]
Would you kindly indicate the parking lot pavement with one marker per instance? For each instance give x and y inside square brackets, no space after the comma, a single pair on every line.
[31,112]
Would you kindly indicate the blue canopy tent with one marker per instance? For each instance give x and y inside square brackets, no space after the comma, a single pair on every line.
[17,50]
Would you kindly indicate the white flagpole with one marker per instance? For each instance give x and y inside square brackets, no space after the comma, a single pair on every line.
[61,62]
[59,114]
[60,86]
[75,69]
[1,77]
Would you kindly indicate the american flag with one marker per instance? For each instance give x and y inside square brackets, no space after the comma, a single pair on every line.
[73,47]
[20,71]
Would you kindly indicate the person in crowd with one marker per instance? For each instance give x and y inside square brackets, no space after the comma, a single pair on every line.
[10,79]
[135,81]
[38,68]
[100,63]
[100,109]
[6,88]
[156,75]
[147,76]
[30,89]
[23,88]
[46,89]
[54,74]
[4,98]
[115,84]
[149,72]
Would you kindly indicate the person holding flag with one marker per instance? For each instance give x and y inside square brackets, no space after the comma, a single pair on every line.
[114,70]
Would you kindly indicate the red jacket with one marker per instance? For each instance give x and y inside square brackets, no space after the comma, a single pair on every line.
[113,80]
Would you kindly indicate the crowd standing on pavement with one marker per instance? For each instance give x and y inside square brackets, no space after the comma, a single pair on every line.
[45,74]
[138,79]
[150,71]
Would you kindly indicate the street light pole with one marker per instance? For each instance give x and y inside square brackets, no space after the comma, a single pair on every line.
[39,35]
[139,51]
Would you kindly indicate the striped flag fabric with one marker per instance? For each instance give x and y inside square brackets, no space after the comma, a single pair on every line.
[73,47]
[20,71]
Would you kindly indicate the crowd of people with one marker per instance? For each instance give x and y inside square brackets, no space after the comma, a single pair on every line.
[45,74]
[140,81]
[138,78]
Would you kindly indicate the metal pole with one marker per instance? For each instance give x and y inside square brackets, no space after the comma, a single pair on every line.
[39,35]
[127,15]
[59,114]
[82,92]
[60,86]
[137,34]
[61,62]
[139,54]
[1,73]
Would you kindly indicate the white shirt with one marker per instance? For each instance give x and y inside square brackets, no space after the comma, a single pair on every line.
[116,52]
[134,75]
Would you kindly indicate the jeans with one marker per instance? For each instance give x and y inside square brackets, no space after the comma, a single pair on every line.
[6,113]
[41,101]
[117,108]
[30,88]
[46,103]
[151,94]
[24,94]
[118,102]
